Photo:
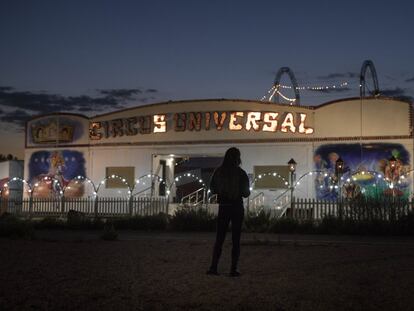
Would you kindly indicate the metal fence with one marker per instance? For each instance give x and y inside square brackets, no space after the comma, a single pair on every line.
[358,210]
[299,209]
[90,207]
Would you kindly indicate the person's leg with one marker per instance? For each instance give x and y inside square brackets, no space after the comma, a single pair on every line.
[236,224]
[223,221]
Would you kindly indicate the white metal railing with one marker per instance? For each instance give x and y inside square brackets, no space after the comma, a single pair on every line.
[212,199]
[257,202]
[194,198]
[143,192]
[281,204]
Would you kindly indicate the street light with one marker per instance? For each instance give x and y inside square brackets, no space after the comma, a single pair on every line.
[292,165]
[339,167]
[393,164]
[292,179]
[339,170]
[392,161]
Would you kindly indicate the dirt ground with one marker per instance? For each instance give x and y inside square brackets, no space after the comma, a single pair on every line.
[169,274]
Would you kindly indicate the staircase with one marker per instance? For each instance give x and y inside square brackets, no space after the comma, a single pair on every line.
[281,204]
[194,199]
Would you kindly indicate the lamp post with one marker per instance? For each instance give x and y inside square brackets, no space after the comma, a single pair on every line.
[339,170]
[292,179]
[393,165]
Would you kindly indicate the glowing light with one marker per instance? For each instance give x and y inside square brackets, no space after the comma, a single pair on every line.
[270,121]
[160,124]
[275,89]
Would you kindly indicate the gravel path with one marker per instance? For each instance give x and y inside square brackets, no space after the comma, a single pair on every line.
[168,273]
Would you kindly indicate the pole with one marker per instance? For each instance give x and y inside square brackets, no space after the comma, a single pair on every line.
[292,203]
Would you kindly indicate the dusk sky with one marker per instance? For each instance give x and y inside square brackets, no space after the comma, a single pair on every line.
[97,56]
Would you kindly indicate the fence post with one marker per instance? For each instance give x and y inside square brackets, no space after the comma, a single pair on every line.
[95,207]
[131,205]
[340,212]
[62,203]
[30,206]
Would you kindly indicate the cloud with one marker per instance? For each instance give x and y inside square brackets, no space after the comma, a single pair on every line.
[26,104]
[18,117]
[6,88]
[338,75]
[151,91]
[120,93]
[410,80]
[397,93]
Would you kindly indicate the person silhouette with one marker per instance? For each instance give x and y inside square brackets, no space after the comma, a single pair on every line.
[231,184]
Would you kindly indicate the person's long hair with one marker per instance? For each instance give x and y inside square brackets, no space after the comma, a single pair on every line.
[229,175]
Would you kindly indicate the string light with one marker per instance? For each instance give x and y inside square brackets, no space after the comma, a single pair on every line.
[196,178]
[275,89]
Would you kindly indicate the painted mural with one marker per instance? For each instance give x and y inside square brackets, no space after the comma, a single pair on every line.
[360,159]
[52,130]
[63,166]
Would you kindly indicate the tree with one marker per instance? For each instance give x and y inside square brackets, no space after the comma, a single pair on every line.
[9,157]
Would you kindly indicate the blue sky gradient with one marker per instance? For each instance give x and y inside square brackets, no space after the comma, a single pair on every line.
[75,51]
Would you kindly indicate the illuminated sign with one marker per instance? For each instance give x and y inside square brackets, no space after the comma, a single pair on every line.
[286,122]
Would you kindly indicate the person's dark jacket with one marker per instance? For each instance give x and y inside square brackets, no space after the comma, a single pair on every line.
[239,190]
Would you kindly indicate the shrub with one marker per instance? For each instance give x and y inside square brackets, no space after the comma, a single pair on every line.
[186,219]
[11,226]
[306,226]
[405,224]
[257,222]
[330,225]
[109,233]
[75,219]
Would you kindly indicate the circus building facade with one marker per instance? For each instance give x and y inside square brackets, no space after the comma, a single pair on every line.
[181,142]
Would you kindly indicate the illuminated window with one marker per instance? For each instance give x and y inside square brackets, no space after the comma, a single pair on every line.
[124,172]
